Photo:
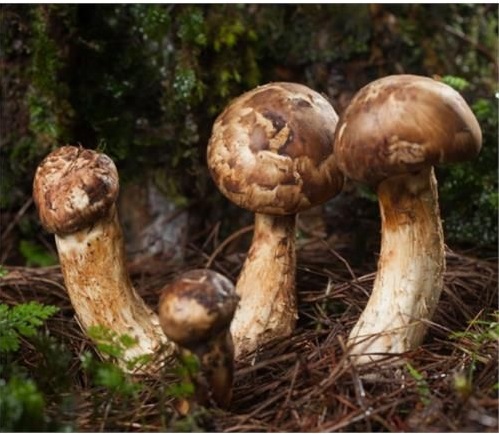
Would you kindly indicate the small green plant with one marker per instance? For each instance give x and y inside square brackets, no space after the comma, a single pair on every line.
[3,271]
[115,346]
[109,373]
[53,370]
[21,320]
[21,405]
[421,384]
[22,399]
[463,383]
[110,376]
[187,368]
[480,332]
[457,83]
[197,418]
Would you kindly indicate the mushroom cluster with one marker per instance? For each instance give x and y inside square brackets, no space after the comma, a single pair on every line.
[276,150]
[75,192]
[271,152]
[390,136]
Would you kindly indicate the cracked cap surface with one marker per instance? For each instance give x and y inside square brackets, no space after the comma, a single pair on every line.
[73,187]
[271,150]
[403,123]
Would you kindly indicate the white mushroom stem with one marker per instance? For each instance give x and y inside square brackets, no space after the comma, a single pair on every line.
[410,269]
[266,285]
[96,278]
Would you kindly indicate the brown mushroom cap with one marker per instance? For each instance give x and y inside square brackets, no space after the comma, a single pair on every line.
[271,150]
[402,123]
[73,187]
[197,307]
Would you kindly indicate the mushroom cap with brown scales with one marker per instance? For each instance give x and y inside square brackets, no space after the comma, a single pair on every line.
[271,150]
[197,307]
[195,312]
[75,191]
[402,123]
[74,187]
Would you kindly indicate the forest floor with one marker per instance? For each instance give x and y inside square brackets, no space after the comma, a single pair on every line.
[304,383]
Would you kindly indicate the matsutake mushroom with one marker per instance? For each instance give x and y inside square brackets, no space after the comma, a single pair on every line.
[390,136]
[195,312]
[75,191]
[271,152]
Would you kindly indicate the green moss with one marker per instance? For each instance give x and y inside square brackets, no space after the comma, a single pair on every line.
[50,111]
[22,405]
[191,27]
[148,81]
[469,191]
[186,86]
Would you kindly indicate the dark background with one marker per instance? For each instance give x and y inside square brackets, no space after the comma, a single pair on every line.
[144,83]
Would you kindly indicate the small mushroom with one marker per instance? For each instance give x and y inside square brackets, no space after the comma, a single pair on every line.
[390,136]
[75,191]
[271,152]
[195,312]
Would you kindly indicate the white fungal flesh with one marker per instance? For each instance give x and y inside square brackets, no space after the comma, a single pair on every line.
[79,199]
[268,301]
[94,269]
[410,270]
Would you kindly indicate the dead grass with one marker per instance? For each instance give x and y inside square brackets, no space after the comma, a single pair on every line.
[305,383]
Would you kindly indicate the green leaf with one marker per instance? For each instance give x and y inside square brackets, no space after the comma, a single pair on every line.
[138,361]
[184,389]
[110,376]
[457,83]
[191,363]
[110,343]
[21,320]
[21,405]
[422,385]
[127,341]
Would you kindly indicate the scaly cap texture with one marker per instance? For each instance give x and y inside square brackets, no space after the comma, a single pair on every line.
[271,150]
[74,187]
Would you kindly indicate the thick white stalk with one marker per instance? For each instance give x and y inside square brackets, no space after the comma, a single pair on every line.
[410,269]
[96,278]
[266,285]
